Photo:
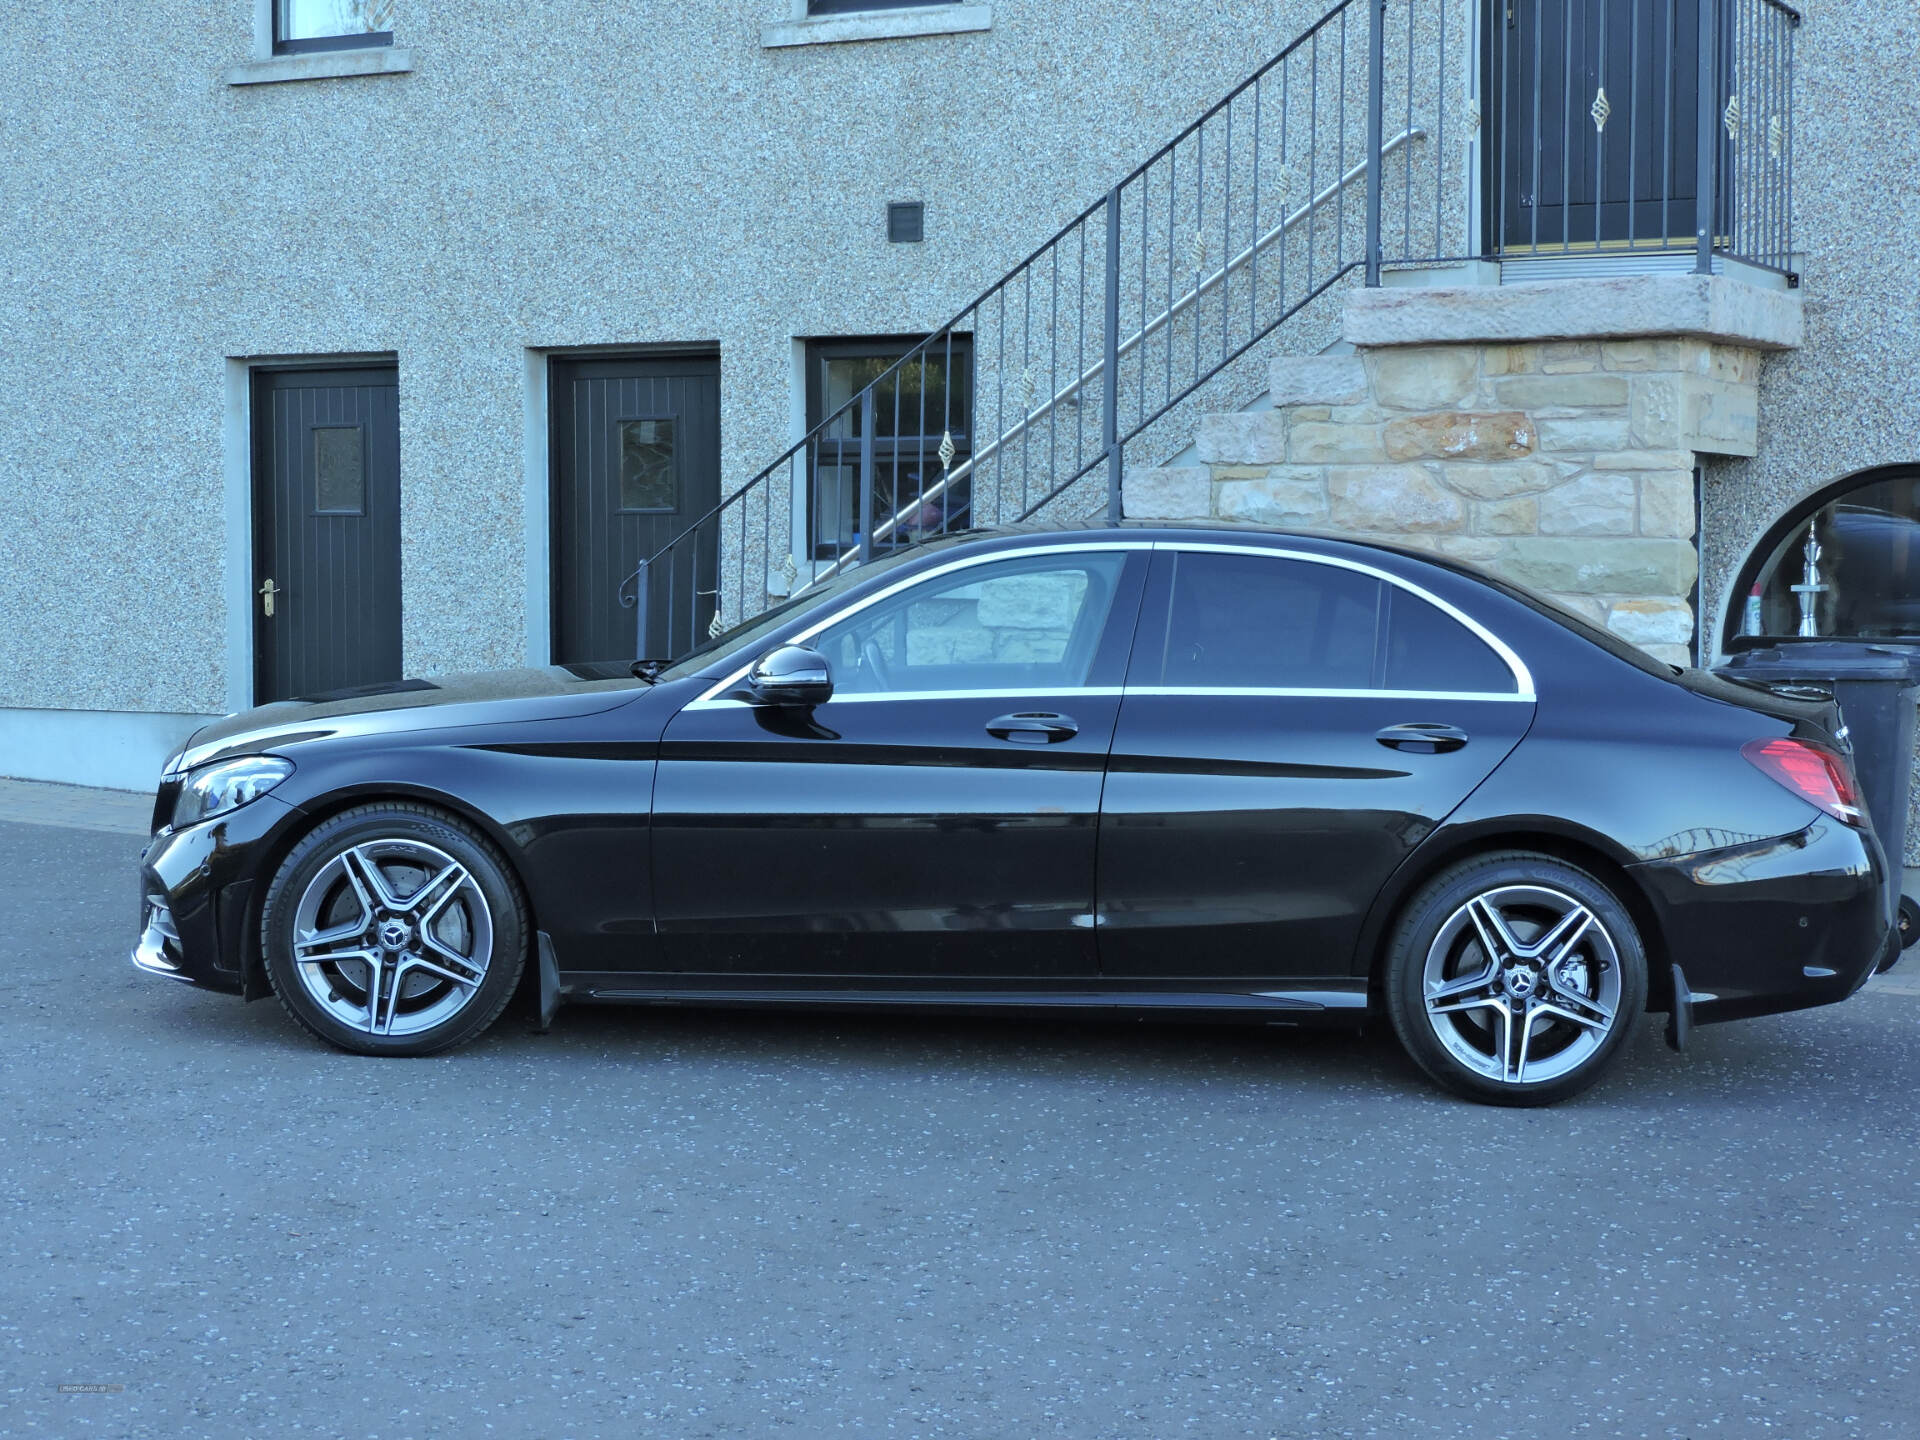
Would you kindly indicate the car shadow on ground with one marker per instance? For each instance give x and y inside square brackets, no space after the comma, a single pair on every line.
[1752,1059]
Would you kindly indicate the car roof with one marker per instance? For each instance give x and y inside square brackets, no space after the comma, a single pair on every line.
[1147,531]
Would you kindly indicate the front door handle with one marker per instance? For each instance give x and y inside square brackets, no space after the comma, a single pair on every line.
[1034,727]
[1422,737]
[267,592]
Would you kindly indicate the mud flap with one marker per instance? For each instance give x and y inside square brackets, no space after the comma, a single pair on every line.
[549,984]
[1680,1018]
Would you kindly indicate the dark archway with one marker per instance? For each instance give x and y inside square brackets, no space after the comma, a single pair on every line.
[1868,530]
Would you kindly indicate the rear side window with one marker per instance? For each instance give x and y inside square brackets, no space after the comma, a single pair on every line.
[1257,622]
[1247,621]
[1428,649]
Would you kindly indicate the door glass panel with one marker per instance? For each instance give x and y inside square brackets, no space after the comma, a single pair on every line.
[339,470]
[1430,650]
[1029,624]
[648,479]
[1247,621]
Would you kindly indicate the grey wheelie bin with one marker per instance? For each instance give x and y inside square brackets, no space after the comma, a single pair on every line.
[1877,685]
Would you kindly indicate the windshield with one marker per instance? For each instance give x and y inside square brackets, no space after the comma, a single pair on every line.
[745,636]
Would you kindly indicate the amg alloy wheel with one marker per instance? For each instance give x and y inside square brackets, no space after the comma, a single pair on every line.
[1515,978]
[393,930]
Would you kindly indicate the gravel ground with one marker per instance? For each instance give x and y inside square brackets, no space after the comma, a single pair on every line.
[685,1225]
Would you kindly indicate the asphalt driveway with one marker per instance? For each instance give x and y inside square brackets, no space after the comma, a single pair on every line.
[680,1225]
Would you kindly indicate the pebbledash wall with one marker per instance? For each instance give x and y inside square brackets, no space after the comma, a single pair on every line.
[553,175]
[521,180]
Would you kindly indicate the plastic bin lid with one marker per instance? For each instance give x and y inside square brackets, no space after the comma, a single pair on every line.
[1828,659]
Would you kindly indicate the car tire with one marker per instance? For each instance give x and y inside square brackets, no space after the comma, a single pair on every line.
[394,929]
[1515,978]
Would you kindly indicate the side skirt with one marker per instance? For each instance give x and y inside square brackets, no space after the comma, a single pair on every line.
[1327,1003]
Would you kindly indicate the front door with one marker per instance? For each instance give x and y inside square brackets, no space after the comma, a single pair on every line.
[936,818]
[1292,728]
[636,463]
[326,506]
[1572,169]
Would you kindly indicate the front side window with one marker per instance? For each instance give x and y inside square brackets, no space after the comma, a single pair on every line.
[1253,622]
[306,25]
[917,410]
[1020,624]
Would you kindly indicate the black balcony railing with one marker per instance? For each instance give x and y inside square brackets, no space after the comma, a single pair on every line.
[1360,146]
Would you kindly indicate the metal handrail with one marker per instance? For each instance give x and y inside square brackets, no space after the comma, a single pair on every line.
[1169,327]
[629,591]
[1128,346]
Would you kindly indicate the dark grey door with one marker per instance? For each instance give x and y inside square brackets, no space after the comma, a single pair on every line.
[636,461]
[1570,170]
[326,506]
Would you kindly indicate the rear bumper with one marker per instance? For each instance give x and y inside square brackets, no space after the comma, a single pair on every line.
[1781,924]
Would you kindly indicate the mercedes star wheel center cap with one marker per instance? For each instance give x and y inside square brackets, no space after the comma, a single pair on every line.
[394,934]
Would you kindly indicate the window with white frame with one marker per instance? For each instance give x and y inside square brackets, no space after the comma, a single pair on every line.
[305,26]
[844,7]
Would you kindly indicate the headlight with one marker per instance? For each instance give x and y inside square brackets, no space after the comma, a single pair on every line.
[215,789]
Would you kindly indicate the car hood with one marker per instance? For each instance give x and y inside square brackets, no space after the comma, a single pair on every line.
[481,698]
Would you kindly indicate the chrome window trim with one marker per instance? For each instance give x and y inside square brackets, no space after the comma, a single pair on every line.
[1522,677]
[1284,693]
[709,698]
[868,697]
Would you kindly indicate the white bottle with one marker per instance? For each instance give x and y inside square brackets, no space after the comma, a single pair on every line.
[1750,622]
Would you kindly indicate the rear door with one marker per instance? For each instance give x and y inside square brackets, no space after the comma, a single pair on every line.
[1292,727]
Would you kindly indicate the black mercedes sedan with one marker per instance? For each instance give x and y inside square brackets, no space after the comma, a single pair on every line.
[1134,770]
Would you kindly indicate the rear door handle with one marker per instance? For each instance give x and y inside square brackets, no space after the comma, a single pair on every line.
[1423,737]
[1034,727]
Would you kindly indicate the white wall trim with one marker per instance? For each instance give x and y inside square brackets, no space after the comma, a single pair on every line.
[112,749]
[805,29]
[536,462]
[236,444]
[323,65]
[799,490]
[263,29]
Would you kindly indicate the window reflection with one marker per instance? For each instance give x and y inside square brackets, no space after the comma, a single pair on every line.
[323,19]
[1868,567]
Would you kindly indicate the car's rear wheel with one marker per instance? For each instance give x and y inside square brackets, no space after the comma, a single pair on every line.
[394,929]
[1515,978]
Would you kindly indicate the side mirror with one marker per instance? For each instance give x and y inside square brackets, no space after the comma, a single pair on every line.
[791,675]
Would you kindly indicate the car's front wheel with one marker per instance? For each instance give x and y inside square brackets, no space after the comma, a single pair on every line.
[1515,978]
[393,929]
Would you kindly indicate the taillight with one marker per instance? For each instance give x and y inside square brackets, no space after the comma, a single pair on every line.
[1819,776]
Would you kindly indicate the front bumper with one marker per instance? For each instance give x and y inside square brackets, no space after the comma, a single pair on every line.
[1781,924]
[196,895]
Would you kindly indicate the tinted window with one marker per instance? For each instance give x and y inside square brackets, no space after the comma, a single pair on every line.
[1254,622]
[1251,621]
[1430,650]
[1028,624]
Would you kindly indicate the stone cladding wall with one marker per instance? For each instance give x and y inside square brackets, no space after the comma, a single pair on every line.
[1563,465]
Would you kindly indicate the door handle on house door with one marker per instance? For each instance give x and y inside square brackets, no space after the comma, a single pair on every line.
[267,592]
